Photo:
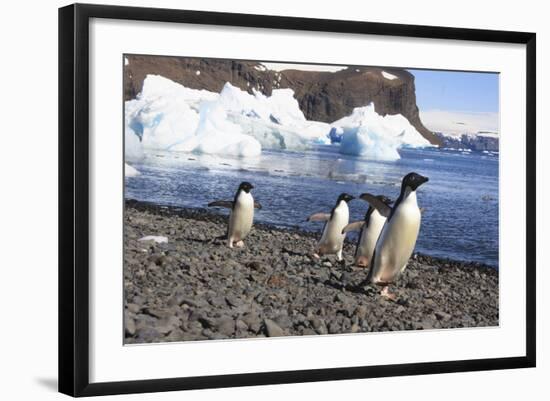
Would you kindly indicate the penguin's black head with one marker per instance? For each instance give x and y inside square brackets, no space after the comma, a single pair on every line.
[344,197]
[246,186]
[413,181]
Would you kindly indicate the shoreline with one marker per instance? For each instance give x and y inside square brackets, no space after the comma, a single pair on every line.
[202,214]
[195,288]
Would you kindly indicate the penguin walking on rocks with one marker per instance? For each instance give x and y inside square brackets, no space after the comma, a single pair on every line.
[369,231]
[242,214]
[399,234]
[332,240]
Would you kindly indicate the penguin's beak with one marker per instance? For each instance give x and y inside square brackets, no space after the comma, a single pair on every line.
[423,180]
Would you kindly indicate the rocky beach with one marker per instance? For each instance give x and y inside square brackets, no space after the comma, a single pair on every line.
[193,287]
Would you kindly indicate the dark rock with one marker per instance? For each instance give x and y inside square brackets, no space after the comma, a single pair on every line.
[133,308]
[283,321]
[225,326]
[272,329]
[130,326]
[440,315]
[202,292]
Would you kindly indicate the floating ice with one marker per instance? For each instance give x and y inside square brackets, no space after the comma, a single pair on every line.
[130,171]
[366,133]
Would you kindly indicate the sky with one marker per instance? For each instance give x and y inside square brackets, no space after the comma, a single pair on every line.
[457,102]
[457,91]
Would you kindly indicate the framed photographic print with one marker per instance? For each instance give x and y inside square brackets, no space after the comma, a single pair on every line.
[249,199]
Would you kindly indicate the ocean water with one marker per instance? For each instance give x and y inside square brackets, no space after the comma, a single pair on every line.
[461,215]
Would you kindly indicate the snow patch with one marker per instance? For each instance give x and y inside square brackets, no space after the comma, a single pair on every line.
[197,72]
[159,239]
[302,67]
[389,76]
[126,62]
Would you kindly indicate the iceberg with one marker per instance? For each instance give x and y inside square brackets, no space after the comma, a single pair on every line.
[215,134]
[169,116]
[367,134]
[133,149]
[276,121]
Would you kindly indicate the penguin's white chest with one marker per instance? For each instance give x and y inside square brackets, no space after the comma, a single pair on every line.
[397,240]
[370,235]
[242,216]
[332,239]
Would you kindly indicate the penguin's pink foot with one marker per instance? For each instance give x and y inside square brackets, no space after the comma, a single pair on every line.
[239,244]
[362,261]
[316,256]
[387,294]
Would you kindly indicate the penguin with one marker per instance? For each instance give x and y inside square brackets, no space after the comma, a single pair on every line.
[369,231]
[399,234]
[332,240]
[242,214]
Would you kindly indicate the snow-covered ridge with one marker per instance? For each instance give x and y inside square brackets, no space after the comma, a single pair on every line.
[482,141]
[389,76]
[170,116]
[456,123]
[302,67]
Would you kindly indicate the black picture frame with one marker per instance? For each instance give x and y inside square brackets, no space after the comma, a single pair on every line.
[74,198]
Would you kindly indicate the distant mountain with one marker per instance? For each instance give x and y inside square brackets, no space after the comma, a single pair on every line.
[322,96]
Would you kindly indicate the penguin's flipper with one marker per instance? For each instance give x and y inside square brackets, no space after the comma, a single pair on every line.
[257,205]
[221,203]
[319,217]
[376,203]
[355,226]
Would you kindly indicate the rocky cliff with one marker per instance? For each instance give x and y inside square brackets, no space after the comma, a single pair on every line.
[323,96]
